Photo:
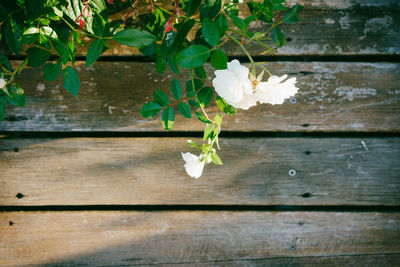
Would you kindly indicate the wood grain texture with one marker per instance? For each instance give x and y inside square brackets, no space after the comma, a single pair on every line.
[333,96]
[327,28]
[149,171]
[196,237]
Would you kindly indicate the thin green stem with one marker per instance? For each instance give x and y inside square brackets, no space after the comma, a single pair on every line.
[253,69]
[264,68]
[197,98]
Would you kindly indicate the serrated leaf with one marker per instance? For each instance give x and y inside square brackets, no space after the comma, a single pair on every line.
[160,64]
[216,159]
[173,65]
[17,99]
[192,57]
[150,109]
[225,107]
[278,37]
[94,52]
[211,32]
[168,118]
[52,71]
[194,103]
[134,38]
[176,89]
[189,87]
[222,23]
[185,110]
[219,60]
[208,131]
[161,98]
[239,23]
[201,117]
[210,8]
[71,80]
[293,14]
[13,36]
[200,72]
[63,51]
[37,56]
[205,95]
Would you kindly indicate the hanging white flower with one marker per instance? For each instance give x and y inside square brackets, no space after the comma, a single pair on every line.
[2,83]
[193,165]
[234,85]
[274,91]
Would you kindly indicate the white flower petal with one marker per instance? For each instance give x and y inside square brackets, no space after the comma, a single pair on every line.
[2,83]
[275,90]
[193,165]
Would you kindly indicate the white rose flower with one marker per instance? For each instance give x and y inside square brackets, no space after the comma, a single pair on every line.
[193,165]
[2,83]
[234,85]
[274,91]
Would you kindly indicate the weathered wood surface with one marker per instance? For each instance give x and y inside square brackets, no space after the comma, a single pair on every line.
[197,237]
[328,28]
[333,96]
[102,171]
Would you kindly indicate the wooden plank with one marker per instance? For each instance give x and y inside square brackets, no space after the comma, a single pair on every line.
[321,32]
[135,171]
[199,237]
[333,96]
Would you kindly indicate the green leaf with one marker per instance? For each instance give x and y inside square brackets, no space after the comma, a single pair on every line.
[3,106]
[171,60]
[176,89]
[71,51]
[4,62]
[208,131]
[293,16]
[52,71]
[98,25]
[191,7]
[216,159]
[63,51]
[160,65]
[71,80]
[225,107]
[210,31]
[94,52]
[193,144]
[168,118]
[200,72]
[194,103]
[189,87]
[278,4]
[218,119]
[37,56]
[150,109]
[209,9]
[278,37]
[205,95]
[134,38]
[161,98]
[13,36]
[48,32]
[239,23]
[185,110]
[192,57]
[222,22]
[17,99]
[219,60]
[201,117]
[34,8]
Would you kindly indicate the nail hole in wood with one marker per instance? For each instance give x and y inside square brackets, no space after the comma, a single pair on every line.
[307,152]
[10,223]
[292,172]
[293,248]
[301,223]
[293,100]
[306,195]
[305,125]
[19,195]
[16,149]
[288,39]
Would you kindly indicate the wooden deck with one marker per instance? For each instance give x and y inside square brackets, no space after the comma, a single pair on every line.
[88,181]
